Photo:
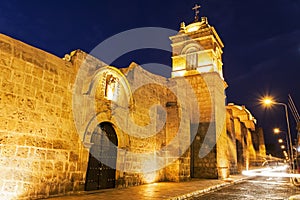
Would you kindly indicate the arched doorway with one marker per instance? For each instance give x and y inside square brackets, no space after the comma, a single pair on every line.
[101,170]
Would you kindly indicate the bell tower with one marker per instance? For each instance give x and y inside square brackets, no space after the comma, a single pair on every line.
[197,58]
[197,48]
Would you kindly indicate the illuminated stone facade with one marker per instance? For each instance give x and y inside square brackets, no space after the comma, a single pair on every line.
[197,51]
[52,120]
[40,150]
[44,153]
[246,137]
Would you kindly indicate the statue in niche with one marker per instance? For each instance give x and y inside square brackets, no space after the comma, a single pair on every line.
[110,86]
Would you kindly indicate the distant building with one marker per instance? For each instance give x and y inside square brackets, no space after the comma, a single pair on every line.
[247,138]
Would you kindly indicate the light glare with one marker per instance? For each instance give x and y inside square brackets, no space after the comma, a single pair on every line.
[276,130]
[268,101]
[271,172]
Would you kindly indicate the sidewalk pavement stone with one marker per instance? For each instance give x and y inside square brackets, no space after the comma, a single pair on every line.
[157,191]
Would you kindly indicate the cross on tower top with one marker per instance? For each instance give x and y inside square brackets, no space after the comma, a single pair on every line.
[196,8]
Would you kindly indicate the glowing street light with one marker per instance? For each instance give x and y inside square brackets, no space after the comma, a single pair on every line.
[276,130]
[282,147]
[268,101]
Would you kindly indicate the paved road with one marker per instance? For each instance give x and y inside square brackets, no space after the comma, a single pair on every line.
[257,188]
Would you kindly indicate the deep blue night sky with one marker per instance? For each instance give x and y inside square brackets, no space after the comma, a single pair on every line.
[261,37]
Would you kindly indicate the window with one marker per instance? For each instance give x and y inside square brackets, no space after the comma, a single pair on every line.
[191,61]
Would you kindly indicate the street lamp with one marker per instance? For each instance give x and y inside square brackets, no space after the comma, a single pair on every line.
[277,131]
[268,102]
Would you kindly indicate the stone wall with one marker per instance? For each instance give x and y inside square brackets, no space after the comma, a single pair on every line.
[231,142]
[155,102]
[261,143]
[210,159]
[251,150]
[46,122]
[249,138]
[41,153]
[147,117]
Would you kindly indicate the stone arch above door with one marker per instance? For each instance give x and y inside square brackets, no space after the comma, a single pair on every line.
[96,96]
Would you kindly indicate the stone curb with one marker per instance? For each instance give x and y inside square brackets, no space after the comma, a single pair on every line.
[211,188]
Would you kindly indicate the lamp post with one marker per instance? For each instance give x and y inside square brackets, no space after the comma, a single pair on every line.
[269,102]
